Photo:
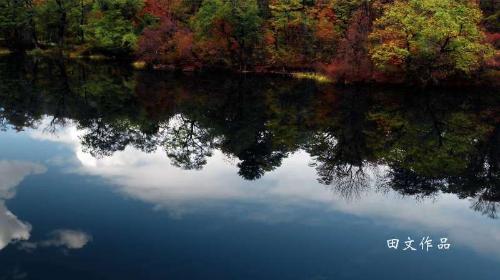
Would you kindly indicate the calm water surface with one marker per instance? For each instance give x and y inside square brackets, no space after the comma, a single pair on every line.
[106,173]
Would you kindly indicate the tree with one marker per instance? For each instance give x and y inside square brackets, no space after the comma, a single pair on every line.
[351,63]
[344,10]
[167,44]
[429,39]
[177,9]
[491,10]
[60,21]
[187,144]
[292,33]
[325,34]
[228,28]
[16,23]
[111,25]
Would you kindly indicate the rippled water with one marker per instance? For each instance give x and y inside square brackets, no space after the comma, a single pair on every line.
[107,173]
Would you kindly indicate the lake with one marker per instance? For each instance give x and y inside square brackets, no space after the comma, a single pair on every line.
[110,173]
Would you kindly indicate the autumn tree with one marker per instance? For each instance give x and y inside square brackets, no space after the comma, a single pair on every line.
[179,10]
[326,36]
[228,30]
[344,10]
[429,39]
[351,62]
[167,44]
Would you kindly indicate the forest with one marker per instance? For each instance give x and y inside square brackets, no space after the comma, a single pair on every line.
[350,41]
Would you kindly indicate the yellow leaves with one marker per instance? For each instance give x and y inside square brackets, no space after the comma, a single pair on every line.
[389,56]
[435,35]
[389,47]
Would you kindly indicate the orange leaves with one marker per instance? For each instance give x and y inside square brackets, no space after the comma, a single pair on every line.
[325,31]
[269,38]
[184,40]
[159,8]
[167,44]
[221,29]
[39,2]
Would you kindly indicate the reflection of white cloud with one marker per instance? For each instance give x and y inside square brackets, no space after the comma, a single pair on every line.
[11,228]
[66,238]
[71,239]
[151,178]
[11,174]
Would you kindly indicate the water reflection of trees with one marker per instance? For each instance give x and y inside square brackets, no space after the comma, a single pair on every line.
[425,143]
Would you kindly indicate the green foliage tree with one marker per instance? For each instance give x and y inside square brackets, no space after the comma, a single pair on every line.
[60,21]
[235,24]
[344,10]
[110,28]
[429,39]
[291,31]
[16,23]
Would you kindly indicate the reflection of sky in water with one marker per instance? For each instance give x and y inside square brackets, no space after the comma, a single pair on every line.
[12,229]
[151,178]
[11,174]
[214,222]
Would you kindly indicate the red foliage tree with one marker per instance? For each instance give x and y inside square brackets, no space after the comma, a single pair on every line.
[159,8]
[352,63]
[494,40]
[325,34]
[167,45]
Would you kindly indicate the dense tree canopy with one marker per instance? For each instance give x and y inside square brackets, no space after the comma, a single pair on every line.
[429,37]
[351,40]
[228,30]
[16,23]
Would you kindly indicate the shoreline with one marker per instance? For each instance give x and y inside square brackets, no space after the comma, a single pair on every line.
[487,78]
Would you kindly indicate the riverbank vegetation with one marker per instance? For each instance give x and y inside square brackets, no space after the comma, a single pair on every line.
[423,41]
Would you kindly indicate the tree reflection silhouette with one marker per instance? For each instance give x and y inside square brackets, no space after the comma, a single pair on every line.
[424,142]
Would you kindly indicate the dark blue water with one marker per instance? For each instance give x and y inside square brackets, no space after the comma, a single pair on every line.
[160,181]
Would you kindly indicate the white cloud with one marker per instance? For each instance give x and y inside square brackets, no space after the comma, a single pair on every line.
[11,228]
[71,239]
[66,238]
[151,178]
[11,174]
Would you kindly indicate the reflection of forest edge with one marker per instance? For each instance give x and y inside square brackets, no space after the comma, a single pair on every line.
[425,142]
